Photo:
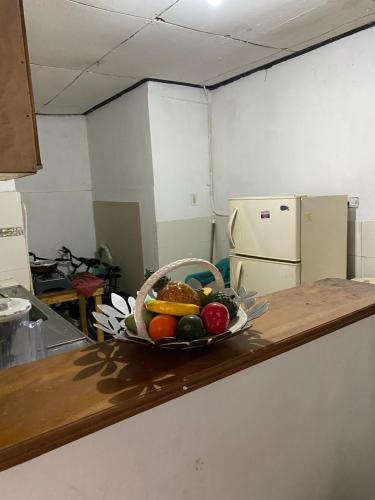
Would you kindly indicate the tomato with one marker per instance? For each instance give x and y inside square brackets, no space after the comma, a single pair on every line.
[162,326]
[215,318]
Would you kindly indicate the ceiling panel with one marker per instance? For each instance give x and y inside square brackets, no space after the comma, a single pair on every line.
[68,35]
[277,23]
[56,109]
[143,8]
[48,82]
[338,31]
[172,53]
[247,67]
[90,89]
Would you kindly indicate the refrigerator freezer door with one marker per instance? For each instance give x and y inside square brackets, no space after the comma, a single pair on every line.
[263,276]
[268,228]
[324,223]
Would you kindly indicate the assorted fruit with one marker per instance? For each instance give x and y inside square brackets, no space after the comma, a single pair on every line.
[226,300]
[183,313]
[179,292]
[190,328]
[130,321]
[215,318]
[162,326]
[172,308]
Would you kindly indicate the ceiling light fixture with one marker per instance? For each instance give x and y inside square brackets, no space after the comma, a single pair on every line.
[214,3]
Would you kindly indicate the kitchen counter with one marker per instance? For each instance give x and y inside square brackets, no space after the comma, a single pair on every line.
[48,403]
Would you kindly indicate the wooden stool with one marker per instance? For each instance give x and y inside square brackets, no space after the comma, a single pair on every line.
[51,298]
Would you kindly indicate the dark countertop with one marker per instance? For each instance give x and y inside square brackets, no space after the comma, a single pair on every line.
[51,402]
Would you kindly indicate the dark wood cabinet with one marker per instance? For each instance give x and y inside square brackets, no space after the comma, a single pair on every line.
[19,149]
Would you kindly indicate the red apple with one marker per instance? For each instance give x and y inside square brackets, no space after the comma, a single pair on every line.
[215,318]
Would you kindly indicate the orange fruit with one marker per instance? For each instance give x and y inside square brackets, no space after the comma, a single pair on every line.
[162,326]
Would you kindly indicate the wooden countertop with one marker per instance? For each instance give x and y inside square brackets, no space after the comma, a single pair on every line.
[51,402]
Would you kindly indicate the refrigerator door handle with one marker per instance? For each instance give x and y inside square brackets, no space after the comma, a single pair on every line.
[238,275]
[232,218]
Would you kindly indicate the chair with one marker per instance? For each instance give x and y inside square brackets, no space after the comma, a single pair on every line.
[206,277]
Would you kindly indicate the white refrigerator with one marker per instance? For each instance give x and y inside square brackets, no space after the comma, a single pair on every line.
[281,242]
[14,258]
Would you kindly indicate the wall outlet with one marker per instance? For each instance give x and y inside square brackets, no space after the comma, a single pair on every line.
[193,199]
[353,202]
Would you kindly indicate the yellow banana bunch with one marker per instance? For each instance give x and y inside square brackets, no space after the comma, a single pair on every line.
[172,308]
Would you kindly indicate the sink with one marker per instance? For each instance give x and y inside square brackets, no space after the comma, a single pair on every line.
[60,335]
[35,313]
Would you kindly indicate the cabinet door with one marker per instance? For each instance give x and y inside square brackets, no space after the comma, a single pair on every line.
[19,150]
[324,225]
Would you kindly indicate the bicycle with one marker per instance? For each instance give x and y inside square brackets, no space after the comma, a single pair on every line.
[109,273]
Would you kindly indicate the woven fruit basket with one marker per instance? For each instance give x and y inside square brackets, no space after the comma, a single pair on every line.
[180,317]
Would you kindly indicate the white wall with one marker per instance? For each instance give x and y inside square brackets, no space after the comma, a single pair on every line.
[179,138]
[151,146]
[304,126]
[180,158]
[299,426]
[7,186]
[59,198]
[121,161]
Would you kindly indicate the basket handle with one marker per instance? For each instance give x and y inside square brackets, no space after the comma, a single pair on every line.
[143,292]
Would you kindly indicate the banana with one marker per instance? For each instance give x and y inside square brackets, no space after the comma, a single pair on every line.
[172,308]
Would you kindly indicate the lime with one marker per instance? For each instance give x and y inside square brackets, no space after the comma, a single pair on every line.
[130,321]
[190,328]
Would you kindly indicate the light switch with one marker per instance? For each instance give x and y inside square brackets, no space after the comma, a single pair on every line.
[353,201]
